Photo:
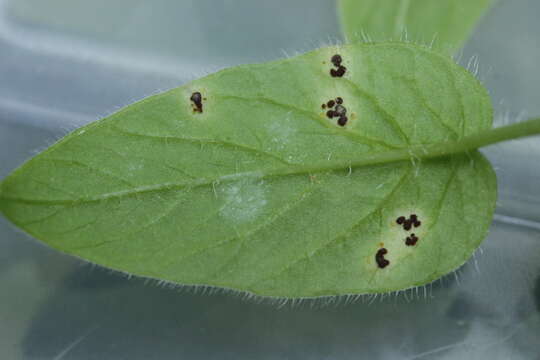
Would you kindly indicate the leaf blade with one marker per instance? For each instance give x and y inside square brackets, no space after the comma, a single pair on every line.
[238,195]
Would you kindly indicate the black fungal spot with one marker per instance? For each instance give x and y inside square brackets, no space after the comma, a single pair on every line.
[337,110]
[409,223]
[415,220]
[336,60]
[339,70]
[411,240]
[196,98]
[323,106]
[342,121]
[379,258]
[340,110]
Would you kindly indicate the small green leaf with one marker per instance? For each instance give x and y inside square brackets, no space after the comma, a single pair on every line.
[280,179]
[445,23]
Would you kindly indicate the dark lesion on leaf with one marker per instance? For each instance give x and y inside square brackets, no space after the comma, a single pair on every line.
[411,240]
[336,109]
[379,258]
[339,70]
[197,102]
[409,223]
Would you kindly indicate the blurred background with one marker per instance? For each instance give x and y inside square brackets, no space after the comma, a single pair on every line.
[64,63]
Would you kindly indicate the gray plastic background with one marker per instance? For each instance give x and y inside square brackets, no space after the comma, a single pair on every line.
[64,63]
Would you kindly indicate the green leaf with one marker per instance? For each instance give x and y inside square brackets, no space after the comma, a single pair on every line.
[445,23]
[241,180]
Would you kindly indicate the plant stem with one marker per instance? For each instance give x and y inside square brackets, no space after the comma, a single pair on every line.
[493,136]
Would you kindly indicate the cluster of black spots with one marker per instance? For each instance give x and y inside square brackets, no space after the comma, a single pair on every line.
[336,110]
[409,223]
[196,98]
[339,70]
[379,258]
[411,240]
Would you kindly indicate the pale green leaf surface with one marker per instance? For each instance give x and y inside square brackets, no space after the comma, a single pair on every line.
[445,23]
[256,193]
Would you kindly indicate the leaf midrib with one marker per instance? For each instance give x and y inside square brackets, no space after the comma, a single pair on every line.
[416,152]
[409,154]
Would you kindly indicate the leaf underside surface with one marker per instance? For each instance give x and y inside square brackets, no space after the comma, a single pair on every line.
[444,23]
[252,186]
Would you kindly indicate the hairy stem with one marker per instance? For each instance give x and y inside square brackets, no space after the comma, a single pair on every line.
[493,136]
